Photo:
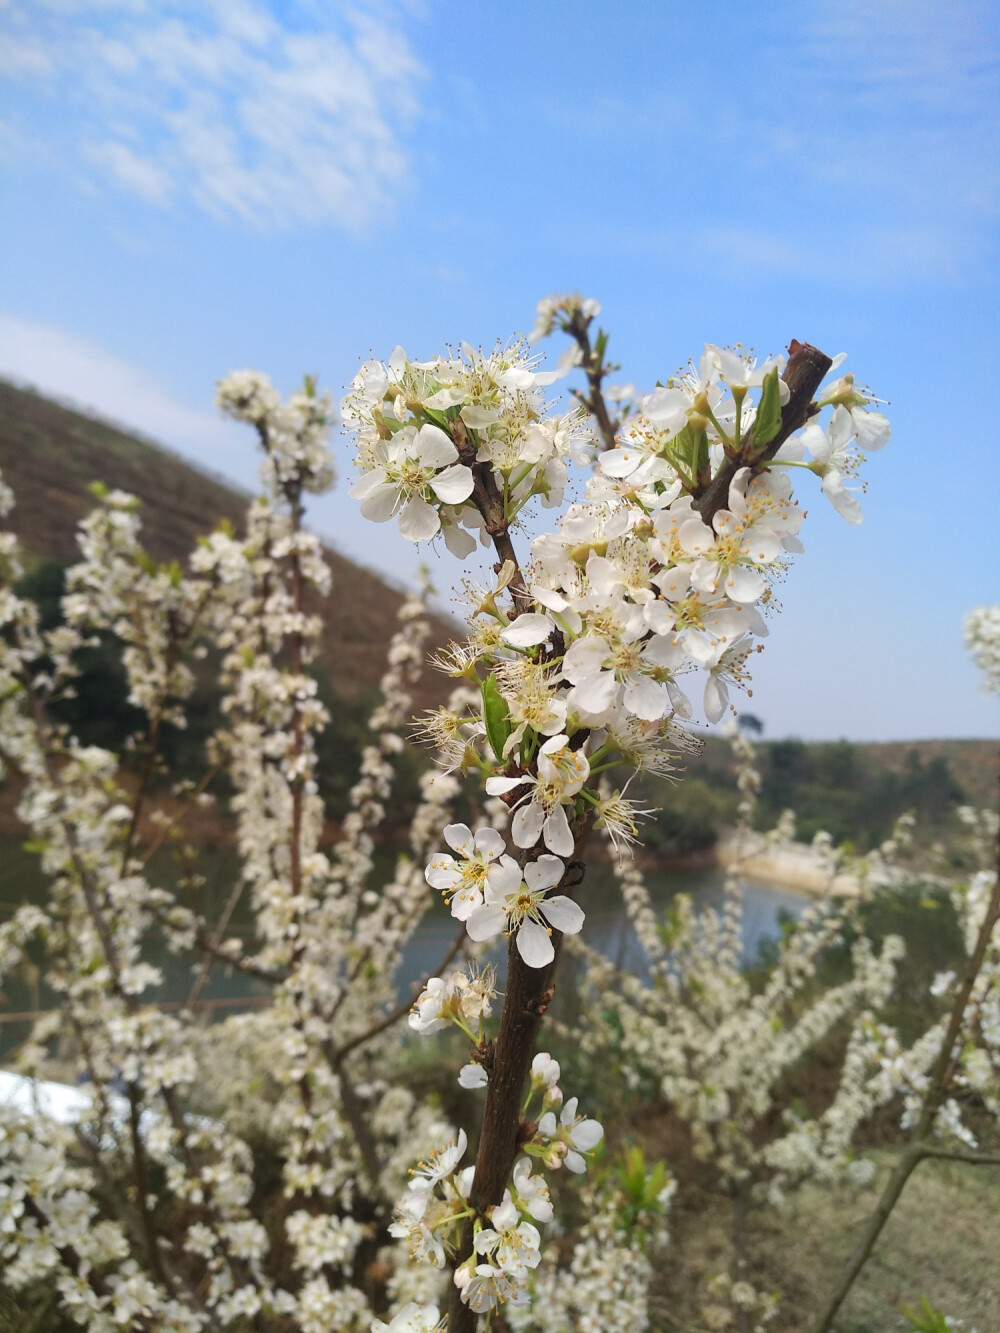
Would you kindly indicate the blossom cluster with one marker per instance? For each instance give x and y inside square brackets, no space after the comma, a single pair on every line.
[420,426]
[982,640]
[580,660]
[506,1242]
[493,894]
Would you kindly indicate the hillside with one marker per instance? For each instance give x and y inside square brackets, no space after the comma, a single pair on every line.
[49,455]
[853,790]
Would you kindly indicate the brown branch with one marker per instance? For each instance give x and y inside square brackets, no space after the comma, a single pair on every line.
[175,824]
[488,500]
[145,775]
[70,1256]
[969,1158]
[528,989]
[807,366]
[214,949]
[165,1006]
[207,945]
[178,638]
[739,1242]
[130,1223]
[139,1174]
[578,327]
[240,1271]
[358,1121]
[527,996]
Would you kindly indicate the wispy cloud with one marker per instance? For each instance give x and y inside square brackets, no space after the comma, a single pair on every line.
[277,115]
[86,375]
[896,106]
[939,54]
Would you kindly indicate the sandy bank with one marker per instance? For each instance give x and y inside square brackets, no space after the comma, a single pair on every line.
[790,865]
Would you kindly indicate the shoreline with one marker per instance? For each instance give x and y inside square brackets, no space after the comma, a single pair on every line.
[787,865]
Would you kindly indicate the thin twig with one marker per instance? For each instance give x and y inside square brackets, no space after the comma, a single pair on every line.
[213,951]
[969,1158]
[403,1009]
[593,367]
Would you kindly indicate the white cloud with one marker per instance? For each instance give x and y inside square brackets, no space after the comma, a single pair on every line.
[273,114]
[134,172]
[910,89]
[88,376]
[904,53]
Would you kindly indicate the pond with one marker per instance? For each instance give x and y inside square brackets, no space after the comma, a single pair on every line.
[607,929]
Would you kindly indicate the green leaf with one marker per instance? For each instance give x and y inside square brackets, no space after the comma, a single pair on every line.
[496,716]
[767,423]
[926,1319]
[436,417]
[686,449]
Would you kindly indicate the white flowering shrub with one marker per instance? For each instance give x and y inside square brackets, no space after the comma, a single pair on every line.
[174,1102]
[152,1212]
[982,640]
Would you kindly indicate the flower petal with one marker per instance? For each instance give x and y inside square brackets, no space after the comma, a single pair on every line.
[644,697]
[584,657]
[564,914]
[716,698]
[534,944]
[379,504]
[489,842]
[367,482]
[465,903]
[459,838]
[619,462]
[433,447]
[454,484]
[527,630]
[545,873]
[503,878]
[587,1134]
[558,838]
[443,874]
[477,417]
[526,825]
[743,584]
[418,521]
[872,430]
[485,922]
[501,786]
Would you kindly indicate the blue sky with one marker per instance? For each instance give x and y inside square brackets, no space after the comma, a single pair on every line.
[195,187]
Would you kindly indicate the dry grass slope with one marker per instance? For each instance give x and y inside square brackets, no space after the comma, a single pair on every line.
[50,455]
[941,1242]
